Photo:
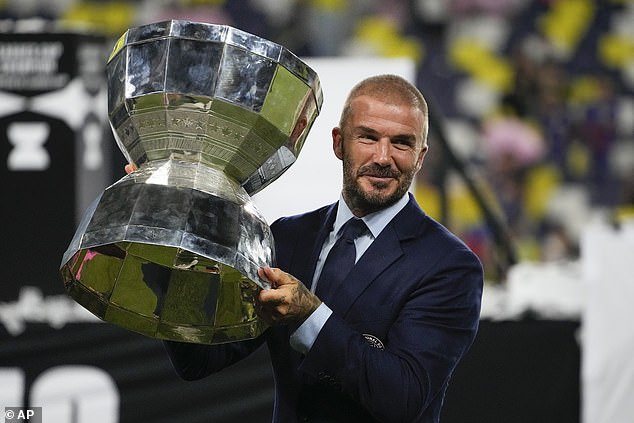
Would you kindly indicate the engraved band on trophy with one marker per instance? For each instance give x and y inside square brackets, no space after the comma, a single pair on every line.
[209,115]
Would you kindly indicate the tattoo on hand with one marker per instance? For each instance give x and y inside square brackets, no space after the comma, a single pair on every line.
[307,300]
[292,304]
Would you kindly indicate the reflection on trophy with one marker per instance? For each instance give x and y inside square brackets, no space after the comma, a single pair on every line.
[209,115]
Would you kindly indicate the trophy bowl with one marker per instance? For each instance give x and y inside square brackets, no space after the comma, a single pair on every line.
[210,115]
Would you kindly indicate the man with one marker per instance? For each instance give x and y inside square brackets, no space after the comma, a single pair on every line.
[379,342]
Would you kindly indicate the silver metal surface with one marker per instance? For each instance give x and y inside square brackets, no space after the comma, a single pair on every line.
[210,115]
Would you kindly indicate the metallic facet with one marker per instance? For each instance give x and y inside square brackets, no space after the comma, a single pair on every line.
[210,115]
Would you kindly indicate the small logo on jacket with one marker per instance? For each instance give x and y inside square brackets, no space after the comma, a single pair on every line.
[374,341]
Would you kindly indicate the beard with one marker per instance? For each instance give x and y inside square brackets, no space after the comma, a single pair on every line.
[366,202]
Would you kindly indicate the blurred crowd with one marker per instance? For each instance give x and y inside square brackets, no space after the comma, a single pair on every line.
[536,96]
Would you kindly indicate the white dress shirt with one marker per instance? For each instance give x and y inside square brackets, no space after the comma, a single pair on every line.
[304,337]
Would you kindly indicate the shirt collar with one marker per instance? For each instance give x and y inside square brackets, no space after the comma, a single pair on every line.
[376,221]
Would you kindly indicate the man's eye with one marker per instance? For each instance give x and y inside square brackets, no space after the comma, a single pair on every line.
[401,146]
[368,137]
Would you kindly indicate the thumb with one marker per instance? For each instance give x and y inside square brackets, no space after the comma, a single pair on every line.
[276,277]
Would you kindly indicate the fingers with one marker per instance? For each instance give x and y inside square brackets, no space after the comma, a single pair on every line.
[276,277]
[288,302]
[129,168]
[266,274]
[273,309]
[272,297]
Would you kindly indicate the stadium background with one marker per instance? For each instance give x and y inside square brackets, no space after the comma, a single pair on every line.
[534,121]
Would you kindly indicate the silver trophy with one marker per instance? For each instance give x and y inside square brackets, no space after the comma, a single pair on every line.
[209,115]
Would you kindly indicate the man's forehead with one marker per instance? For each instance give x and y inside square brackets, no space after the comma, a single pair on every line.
[370,107]
[388,99]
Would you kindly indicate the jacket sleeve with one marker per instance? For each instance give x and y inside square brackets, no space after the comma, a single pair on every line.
[196,361]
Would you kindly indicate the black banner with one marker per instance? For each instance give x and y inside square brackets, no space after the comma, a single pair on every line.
[99,373]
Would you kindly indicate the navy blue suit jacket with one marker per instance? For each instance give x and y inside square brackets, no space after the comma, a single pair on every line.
[402,320]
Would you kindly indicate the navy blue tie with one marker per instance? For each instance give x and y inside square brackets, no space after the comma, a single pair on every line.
[340,259]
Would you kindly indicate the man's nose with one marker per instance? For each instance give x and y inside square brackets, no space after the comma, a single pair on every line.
[383,153]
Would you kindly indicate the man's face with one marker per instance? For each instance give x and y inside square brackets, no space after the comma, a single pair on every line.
[381,149]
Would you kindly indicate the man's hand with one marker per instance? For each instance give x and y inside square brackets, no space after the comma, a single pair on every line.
[129,168]
[287,302]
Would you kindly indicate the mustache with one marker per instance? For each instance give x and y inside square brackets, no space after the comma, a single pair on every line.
[378,171]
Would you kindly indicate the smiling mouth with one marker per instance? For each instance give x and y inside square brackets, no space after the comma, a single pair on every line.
[379,173]
[378,178]
[381,179]
[379,182]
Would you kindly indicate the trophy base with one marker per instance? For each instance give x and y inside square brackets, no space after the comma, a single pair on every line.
[203,302]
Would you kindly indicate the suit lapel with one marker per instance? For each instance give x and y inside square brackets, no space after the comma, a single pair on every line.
[311,247]
[374,261]
[384,251]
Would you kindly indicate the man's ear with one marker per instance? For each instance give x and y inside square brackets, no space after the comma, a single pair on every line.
[337,142]
[421,157]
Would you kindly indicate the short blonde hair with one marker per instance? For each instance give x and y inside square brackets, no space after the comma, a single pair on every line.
[391,89]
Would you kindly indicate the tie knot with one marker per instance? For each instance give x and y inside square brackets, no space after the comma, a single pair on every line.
[353,229]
